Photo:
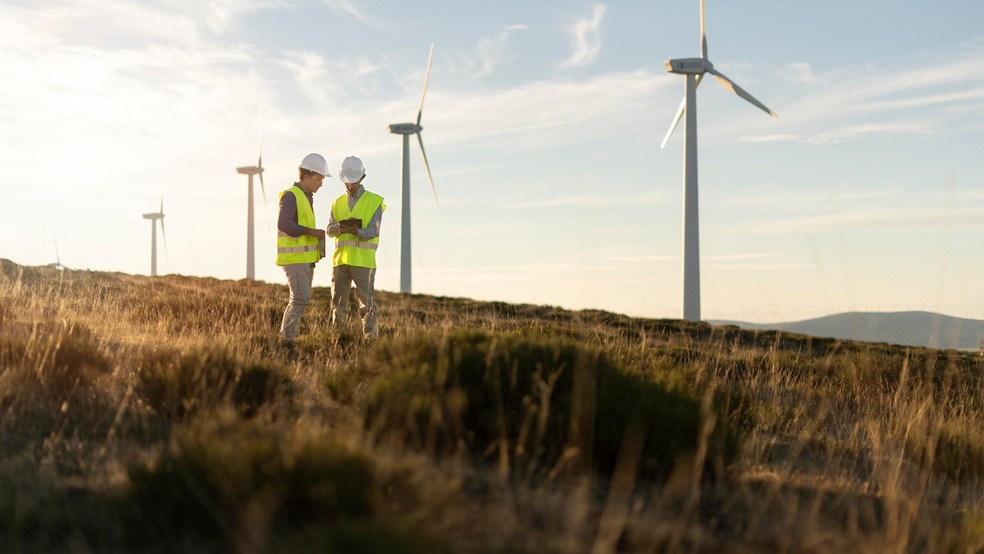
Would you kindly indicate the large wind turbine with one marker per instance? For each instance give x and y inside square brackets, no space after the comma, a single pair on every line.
[694,69]
[407,129]
[154,217]
[252,170]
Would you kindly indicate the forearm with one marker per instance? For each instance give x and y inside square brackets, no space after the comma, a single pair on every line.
[333,228]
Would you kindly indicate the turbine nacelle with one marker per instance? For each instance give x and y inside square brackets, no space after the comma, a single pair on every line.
[405,128]
[684,66]
[153,216]
[249,170]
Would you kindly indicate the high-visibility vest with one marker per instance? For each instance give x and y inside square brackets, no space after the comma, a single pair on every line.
[302,249]
[350,249]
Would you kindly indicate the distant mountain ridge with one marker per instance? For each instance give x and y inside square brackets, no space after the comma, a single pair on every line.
[925,329]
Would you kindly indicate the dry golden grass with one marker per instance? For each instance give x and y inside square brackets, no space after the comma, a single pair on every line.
[162,415]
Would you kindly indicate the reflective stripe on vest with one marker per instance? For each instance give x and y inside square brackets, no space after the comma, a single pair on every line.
[295,249]
[349,249]
[356,243]
[302,249]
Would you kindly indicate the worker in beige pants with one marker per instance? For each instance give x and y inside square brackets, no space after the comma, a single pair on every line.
[355,221]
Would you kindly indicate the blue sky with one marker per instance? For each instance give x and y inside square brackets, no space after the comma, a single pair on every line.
[542,125]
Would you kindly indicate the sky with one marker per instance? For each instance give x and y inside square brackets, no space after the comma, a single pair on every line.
[542,124]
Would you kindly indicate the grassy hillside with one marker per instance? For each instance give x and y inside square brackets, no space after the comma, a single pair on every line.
[161,415]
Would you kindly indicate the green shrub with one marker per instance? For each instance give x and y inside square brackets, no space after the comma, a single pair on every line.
[39,516]
[357,537]
[532,405]
[230,479]
[178,384]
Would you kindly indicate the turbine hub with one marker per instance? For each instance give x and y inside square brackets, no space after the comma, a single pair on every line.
[696,66]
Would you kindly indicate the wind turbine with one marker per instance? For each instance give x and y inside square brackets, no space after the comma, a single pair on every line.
[154,217]
[694,70]
[57,264]
[407,129]
[252,170]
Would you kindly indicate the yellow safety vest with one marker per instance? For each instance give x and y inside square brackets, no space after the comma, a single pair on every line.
[302,249]
[349,249]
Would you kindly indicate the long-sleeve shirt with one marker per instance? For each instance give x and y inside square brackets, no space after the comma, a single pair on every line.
[287,220]
[370,231]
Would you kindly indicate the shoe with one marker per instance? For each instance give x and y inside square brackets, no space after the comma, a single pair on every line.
[290,349]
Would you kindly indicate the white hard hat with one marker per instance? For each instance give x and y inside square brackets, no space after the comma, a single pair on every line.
[316,163]
[352,170]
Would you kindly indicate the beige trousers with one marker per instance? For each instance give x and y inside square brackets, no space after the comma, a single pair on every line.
[364,278]
[299,279]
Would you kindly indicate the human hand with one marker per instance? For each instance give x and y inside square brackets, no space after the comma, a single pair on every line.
[317,233]
[348,228]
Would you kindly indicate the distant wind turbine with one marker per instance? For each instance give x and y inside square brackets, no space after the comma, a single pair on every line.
[407,129]
[252,170]
[694,69]
[154,217]
[57,264]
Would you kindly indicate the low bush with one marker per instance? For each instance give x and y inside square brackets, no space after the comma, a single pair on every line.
[535,406]
[177,383]
[239,482]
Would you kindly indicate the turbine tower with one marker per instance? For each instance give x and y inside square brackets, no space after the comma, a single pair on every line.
[250,171]
[694,69]
[154,217]
[407,129]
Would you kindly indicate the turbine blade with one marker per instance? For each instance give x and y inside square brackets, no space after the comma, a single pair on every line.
[730,85]
[420,111]
[266,209]
[259,118]
[427,166]
[57,256]
[167,258]
[676,120]
[162,206]
[703,32]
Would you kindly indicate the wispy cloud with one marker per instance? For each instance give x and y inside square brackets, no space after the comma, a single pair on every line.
[522,113]
[583,201]
[833,196]
[847,133]
[310,73]
[347,8]
[851,103]
[972,217]
[219,15]
[585,38]
[494,50]
[488,54]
